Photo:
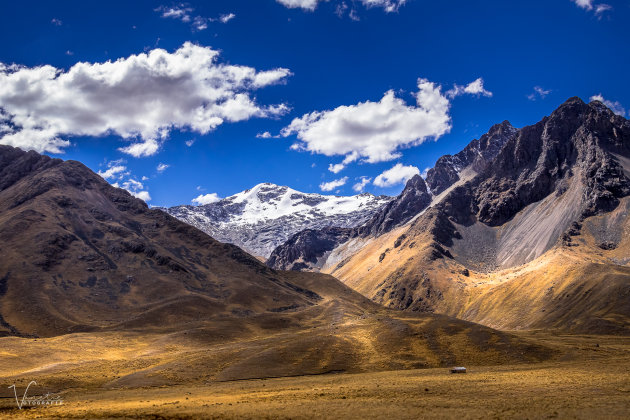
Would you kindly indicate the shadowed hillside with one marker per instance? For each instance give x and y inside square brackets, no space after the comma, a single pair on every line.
[80,255]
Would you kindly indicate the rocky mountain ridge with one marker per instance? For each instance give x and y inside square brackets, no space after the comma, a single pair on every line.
[476,155]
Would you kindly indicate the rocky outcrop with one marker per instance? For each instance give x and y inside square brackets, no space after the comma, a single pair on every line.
[577,140]
[303,250]
[411,201]
[476,155]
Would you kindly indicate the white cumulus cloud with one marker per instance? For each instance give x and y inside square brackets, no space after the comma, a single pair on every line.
[200,23]
[184,13]
[614,106]
[265,135]
[304,4]
[142,195]
[338,167]
[374,131]
[227,17]
[180,11]
[132,185]
[135,188]
[387,5]
[584,4]
[396,175]
[601,8]
[206,199]
[162,167]
[329,186]
[115,170]
[363,182]
[141,97]
[147,147]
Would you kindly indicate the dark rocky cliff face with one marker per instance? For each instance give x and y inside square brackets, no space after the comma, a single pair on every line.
[476,155]
[578,139]
[303,249]
[411,201]
[415,197]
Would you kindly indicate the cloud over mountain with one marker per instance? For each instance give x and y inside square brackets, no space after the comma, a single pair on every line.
[398,174]
[142,97]
[360,186]
[615,106]
[376,131]
[329,186]
[206,199]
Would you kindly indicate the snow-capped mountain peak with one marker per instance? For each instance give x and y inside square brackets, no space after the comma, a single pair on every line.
[265,216]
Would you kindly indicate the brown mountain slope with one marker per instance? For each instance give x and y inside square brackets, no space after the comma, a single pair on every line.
[535,238]
[79,254]
[125,295]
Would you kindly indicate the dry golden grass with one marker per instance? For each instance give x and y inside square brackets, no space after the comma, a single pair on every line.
[585,381]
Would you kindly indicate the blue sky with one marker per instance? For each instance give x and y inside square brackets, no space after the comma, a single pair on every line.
[195,86]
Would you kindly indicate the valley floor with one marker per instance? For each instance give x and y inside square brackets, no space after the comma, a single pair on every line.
[589,378]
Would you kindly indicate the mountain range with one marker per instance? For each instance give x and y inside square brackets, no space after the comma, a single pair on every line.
[90,263]
[524,228]
[261,218]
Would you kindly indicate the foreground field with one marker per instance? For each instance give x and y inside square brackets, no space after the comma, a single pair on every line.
[589,378]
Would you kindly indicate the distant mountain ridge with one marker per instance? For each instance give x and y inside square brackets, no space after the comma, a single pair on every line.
[261,218]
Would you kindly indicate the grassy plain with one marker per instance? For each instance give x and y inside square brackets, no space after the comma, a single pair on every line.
[589,377]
